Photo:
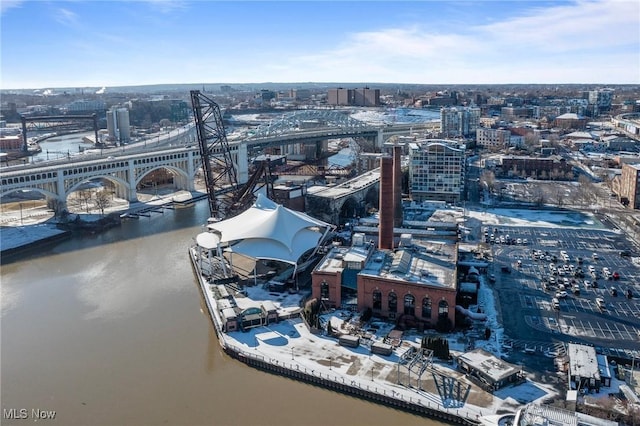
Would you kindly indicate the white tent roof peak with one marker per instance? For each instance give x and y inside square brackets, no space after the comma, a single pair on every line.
[269,230]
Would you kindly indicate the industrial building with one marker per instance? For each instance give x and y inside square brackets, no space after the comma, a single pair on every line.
[118,125]
[410,281]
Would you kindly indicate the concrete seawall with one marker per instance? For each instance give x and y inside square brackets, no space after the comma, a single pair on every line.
[338,383]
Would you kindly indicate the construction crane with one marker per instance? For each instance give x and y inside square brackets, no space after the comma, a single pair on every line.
[215,152]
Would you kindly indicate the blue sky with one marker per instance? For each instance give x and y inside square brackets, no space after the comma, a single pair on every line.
[47,44]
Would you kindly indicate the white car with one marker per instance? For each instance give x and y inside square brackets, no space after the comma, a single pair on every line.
[561,294]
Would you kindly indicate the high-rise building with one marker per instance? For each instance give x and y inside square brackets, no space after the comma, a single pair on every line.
[354,97]
[459,121]
[118,125]
[436,170]
[600,100]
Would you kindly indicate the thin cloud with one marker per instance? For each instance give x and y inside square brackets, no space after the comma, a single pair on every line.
[582,25]
[66,17]
[167,6]
[9,4]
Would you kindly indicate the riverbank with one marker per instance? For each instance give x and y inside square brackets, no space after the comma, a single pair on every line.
[24,232]
[289,348]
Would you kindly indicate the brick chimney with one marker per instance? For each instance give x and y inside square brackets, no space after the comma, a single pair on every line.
[385,227]
[397,186]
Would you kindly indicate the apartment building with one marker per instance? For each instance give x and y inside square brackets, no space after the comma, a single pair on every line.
[354,97]
[629,189]
[436,170]
[492,138]
[459,121]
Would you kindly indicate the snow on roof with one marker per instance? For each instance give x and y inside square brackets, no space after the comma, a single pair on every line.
[489,365]
[583,361]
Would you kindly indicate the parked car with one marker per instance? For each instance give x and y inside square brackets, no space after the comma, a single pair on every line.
[616,275]
[614,291]
[625,253]
[561,294]
[600,303]
[629,293]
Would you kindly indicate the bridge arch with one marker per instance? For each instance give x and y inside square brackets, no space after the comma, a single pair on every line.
[122,187]
[351,207]
[181,178]
[47,194]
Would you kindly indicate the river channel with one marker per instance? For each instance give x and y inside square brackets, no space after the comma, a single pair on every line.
[111,329]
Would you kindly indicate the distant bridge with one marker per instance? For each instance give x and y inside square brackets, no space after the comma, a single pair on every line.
[126,170]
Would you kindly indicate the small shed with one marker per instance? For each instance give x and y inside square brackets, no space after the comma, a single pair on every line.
[349,340]
[380,348]
[490,372]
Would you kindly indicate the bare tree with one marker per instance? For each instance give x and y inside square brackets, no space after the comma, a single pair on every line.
[488,178]
[85,195]
[56,205]
[559,198]
[103,200]
[538,196]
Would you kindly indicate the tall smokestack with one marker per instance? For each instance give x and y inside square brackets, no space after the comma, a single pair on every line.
[385,228]
[397,186]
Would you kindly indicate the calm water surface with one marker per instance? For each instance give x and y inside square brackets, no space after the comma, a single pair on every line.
[111,330]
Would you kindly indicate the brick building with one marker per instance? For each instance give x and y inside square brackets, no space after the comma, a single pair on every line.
[414,285]
[629,185]
[553,167]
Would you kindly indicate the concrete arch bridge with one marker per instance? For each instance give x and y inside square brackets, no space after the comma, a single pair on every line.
[125,172]
[336,204]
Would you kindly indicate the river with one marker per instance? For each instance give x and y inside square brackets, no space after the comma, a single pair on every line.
[111,329]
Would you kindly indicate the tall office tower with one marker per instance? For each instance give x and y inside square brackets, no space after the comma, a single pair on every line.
[459,121]
[436,170]
[118,125]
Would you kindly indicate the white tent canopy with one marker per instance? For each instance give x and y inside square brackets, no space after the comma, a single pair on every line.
[268,230]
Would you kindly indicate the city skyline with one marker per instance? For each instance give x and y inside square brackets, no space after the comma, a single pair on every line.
[113,43]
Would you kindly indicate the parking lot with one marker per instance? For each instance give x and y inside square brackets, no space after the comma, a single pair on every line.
[576,267]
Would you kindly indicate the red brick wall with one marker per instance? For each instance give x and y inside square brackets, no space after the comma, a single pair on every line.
[368,284]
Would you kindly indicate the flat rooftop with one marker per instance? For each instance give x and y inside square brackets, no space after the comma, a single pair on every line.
[424,262]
